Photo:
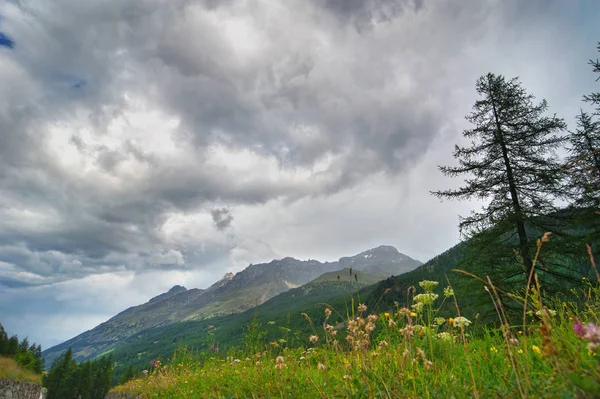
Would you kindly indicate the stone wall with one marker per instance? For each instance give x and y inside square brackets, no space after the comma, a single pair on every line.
[11,389]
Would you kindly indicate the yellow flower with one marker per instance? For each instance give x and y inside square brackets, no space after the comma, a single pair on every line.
[520,351]
[387,315]
[413,314]
[451,320]
[536,349]
[493,349]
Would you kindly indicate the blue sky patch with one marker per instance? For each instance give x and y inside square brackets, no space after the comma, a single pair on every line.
[6,41]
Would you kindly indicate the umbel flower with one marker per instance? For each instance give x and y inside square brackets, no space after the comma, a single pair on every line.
[448,292]
[428,285]
[426,299]
[462,322]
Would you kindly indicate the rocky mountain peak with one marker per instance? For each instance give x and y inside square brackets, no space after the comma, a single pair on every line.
[176,289]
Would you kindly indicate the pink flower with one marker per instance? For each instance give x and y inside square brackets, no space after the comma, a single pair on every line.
[591,332]
[578,328]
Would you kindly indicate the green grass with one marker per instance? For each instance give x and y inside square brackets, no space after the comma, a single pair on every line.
[11,370]
[402,353]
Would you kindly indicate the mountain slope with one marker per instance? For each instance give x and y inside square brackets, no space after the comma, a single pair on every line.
[363,278]
[233,293]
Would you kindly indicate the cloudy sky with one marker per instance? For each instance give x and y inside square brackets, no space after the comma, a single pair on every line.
[147,143]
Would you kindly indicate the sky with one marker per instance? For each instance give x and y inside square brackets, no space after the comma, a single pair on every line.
[148,143]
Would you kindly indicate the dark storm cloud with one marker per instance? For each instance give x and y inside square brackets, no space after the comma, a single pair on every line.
[365,13]
[341,89]
[222,218]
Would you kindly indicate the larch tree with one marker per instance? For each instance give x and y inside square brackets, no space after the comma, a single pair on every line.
[583,162]
[510,164]
[594,98]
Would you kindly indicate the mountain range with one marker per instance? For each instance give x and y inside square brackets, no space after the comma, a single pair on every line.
[233,293]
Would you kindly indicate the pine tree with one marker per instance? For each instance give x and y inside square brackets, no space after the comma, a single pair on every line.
[594,98]
[583,162]
[3,341]
[128,375]
[510,163]
[85,381]
[61,378]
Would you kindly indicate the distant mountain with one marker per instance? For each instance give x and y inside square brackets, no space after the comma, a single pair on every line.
[349,275]
[233,293]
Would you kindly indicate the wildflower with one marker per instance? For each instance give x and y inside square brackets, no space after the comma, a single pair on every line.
[428,364]
[514,341]
[374,354]
[302,358]
[383,344]
[362,308]
[321,366]
[451,321]
[439,321]
[520,351]
[536,349]
[445,336]
[408,331]
[448,292]
[413,314]
[145,372]
[314,339]
[391,323]
[493,349]
[462,322]
[279,364]
[404,312]
[347,377]
[428,285]
[327,312]
[426,299]
[372,318]
[547,312]
[578,328]
[386,315]
[417,307]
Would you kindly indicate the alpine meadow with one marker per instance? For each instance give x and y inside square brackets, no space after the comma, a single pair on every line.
[233,199]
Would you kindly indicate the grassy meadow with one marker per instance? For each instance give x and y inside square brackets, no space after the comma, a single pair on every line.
[547,350]
[11,370]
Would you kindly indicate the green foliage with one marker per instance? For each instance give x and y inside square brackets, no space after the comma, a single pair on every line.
[89,380]
[254,335]
[583,162]
[27,356]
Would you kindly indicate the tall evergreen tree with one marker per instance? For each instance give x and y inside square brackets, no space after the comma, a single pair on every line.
[510,162]
[3,341]
[61,378]
[594,98]
[583,162]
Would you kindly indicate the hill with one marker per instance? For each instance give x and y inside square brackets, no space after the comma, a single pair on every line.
[232,294]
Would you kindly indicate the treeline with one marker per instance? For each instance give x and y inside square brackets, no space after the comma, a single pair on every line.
[67,379]
[26,355]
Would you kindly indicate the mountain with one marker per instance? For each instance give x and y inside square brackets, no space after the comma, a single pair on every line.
[363,278]
[232,294]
